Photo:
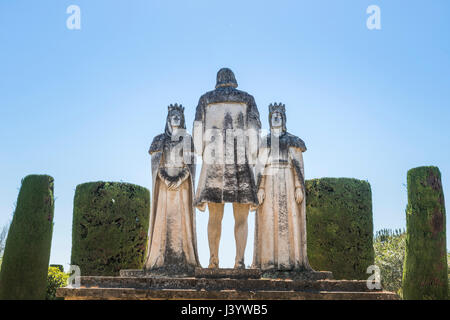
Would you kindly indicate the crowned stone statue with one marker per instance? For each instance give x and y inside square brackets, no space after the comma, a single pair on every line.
[172,245]
[226,129]
[280,221]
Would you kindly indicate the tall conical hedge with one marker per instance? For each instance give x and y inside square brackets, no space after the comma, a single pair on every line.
[425,267]
[340,226]
[110,225]
[27,252]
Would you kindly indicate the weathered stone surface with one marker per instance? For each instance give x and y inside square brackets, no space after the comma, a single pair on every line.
[231,286]
[225,108]
[147,294]
[280,220]
[224,284]
[297,275]
[226,122]
[156,273]
[227,273]
[172,244]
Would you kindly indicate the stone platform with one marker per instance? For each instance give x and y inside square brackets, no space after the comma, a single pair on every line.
[223,284]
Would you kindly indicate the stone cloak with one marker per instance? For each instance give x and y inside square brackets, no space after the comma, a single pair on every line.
[224,182]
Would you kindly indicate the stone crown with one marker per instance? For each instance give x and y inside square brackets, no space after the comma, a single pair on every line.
[277,107]
[177,107]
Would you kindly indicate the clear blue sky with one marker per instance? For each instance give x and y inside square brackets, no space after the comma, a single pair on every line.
[84,105]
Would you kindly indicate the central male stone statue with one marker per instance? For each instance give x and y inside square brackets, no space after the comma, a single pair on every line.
[225,134]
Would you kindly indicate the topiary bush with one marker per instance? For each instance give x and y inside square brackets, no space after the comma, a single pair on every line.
[340,226]
[110,225]
[27,252]
[56,278]
[425,269]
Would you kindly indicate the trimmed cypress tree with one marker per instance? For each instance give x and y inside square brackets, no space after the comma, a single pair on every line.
[110,225]
[25,262]
[340,226]
[425,268]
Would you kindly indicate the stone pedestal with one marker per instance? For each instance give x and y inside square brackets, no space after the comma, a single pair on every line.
[223,284]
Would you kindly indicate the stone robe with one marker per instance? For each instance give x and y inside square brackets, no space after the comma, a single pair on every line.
[226,130]
[172,235]
[280,222]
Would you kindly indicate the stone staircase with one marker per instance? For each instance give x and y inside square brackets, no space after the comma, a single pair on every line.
[222,284]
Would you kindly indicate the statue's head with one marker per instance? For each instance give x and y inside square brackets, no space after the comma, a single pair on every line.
[175,118]
[225,78]
[277,116]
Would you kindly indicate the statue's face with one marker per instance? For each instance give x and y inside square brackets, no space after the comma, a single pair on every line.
[175,120]
[277,120]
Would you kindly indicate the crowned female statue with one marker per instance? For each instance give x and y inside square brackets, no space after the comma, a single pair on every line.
[172,242]
[280,221]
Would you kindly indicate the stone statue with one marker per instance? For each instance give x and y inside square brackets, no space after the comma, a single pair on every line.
[280,221]
[225,133]
[172,242]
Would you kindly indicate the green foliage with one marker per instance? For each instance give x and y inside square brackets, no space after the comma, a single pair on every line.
[56,279]
[110,225]
[27,252]
[340,226]
[389,257]
[59,266]
[3,235]
[425,269]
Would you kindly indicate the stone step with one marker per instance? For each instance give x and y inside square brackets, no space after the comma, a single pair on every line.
[227,273]
[149,294]
[159,283]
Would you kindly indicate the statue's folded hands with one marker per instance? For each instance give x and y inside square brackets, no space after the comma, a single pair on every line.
[173,182]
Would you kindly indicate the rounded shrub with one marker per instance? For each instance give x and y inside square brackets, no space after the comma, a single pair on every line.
[27,252]
[425,269]
[59,266]
[340,226]
[56,279]
[110,225]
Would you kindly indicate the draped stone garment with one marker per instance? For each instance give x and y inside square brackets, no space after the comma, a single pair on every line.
[280,222]
[172,235]
[220,112]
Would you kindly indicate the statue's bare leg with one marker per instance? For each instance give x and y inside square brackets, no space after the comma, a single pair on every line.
[214,232]
[240,232]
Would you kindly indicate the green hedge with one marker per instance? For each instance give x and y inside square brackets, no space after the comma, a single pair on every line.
[110,225]
[340,226]
[425,269]
[25,262]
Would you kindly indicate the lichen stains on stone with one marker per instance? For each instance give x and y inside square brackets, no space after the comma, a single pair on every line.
[228,121]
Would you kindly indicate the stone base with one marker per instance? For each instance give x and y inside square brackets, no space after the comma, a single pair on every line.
[223,284]
[143,294]
[227,273]
[297,275]
[158,273]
